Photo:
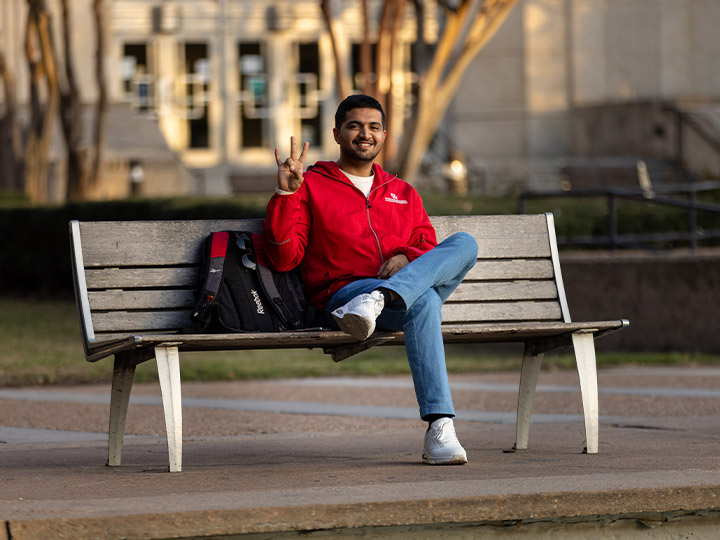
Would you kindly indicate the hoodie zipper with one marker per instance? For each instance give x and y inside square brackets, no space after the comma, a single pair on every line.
[368,206]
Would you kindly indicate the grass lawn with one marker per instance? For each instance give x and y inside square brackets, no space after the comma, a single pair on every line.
[41,344]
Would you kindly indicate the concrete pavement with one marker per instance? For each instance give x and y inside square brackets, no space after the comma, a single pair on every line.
[341,458]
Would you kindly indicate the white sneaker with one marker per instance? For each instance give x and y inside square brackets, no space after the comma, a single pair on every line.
[357,317]
[441,444]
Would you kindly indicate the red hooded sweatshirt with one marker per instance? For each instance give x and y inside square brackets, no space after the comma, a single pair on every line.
[337,235]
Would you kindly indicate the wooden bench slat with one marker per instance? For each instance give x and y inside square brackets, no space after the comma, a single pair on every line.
[500,237]
[141,299]
[504,290]
[138,321]
[135,243]
[128,278]
[512,269]
[501,311]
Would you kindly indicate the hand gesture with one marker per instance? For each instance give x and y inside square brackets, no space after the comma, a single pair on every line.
[392,265]
[290,171]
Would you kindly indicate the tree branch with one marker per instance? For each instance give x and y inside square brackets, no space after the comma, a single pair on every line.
[10,107]
[101,108]
[483,29]
[342,78]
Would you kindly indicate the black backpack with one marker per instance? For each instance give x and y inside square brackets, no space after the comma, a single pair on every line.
[239,295]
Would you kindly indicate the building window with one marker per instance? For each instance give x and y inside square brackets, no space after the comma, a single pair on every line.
[137,79]
[358,75]
[308,92]
[197,94]
[253,96]
[408,71]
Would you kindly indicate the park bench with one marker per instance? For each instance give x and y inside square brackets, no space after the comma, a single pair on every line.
[136,281]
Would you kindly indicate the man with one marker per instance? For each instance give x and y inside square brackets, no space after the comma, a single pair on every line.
[369,258]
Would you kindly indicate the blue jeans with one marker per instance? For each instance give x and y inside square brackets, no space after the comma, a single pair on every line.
[424,285]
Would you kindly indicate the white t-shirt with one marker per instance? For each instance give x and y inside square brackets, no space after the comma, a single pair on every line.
[363,183]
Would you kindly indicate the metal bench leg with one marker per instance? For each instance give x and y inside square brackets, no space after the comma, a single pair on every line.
[584,345]
[122,381]
[532,360]
[168,363]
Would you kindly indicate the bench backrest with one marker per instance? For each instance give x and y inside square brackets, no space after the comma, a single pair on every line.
[135,277]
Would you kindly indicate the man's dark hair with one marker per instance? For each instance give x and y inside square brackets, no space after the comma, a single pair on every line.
[357,101]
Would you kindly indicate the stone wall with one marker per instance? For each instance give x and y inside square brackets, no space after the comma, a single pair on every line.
[672,300]
[531,99]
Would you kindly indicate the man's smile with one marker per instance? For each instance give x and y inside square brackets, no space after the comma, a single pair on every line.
[365,144]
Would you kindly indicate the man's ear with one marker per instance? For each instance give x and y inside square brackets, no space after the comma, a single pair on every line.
[336,134]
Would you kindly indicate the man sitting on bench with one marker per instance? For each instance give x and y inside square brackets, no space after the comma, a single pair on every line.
[369,258]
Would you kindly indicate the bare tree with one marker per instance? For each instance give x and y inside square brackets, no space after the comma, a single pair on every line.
[10,143]
[44,99]
[71,115]
[467,27]
[83,159]
[341,76]
[26,162]
[101,105]
[467,30]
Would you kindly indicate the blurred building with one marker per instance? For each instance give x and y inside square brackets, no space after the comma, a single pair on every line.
[201,91]
[587,87]
[213,85]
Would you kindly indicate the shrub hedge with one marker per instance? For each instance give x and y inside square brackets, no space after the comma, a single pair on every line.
[35,246]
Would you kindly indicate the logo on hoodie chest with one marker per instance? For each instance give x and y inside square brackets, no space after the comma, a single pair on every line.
[394,199]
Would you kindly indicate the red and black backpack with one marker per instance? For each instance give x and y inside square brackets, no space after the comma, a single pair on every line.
[237,294]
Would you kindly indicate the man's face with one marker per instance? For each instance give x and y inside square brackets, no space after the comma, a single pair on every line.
[361,135]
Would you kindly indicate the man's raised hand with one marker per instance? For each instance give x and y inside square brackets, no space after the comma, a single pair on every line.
[290,171]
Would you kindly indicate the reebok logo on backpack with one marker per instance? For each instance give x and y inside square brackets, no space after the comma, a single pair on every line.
[258,302]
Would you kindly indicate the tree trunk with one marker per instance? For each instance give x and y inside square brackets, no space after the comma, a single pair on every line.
[71,118]
[382,53]
[10,149]
[391,143]
[366,51]
[40,53]
[98,142]
[438,86]
[344,86]
[418,136]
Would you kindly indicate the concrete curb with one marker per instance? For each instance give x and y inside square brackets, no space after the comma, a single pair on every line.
[562,507]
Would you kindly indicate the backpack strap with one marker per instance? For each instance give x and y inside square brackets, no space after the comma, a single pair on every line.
[268,283]
[218,250]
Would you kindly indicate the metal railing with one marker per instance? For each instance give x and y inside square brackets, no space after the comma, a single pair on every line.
[686,119]
[614,239]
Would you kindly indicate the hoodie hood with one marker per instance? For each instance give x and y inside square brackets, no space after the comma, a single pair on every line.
[332,170]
